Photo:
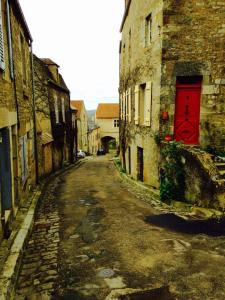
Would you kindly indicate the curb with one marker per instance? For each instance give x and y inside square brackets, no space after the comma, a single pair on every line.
[152,192]
[9,276]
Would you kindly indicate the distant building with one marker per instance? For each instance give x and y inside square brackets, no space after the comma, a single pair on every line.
[82,124]
[54,117]
[107,118]
[94,140]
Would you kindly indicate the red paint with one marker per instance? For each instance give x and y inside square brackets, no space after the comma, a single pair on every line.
[168,138]
[187,113]
[165,116]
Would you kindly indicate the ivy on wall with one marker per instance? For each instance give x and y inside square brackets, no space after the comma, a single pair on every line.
[172,174]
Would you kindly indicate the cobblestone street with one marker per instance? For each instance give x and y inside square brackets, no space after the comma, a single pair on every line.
[90,239]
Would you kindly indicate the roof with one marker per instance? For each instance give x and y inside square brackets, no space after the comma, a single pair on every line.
[49,62]
[18,10]
[78,105]
[107,111]
[46,138]
[125,14]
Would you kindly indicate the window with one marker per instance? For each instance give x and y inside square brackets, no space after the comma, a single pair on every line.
[148,30]
[2,58]
[56,111]
[23,53]
[142,103]
[63,111]
[9,40]
[23,156]
[116,123]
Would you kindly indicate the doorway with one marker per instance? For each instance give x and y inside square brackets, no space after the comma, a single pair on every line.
[187,111]
[140,164]
[5,170]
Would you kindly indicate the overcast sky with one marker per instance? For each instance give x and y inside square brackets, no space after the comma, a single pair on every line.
[82,36]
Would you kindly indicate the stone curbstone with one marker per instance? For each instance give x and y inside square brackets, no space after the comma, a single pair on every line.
[8,278]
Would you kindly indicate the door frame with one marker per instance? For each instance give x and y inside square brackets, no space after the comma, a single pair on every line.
[197,86]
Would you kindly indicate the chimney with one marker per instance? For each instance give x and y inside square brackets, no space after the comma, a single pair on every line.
[126,3]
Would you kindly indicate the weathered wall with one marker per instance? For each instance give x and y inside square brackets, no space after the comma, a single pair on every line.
[194,45]
[94,142]
[140,63]
[16,105]
[107,128]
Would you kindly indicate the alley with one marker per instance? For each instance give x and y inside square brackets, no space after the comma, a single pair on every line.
[90,237]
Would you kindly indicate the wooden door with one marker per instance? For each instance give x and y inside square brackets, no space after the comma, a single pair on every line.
[187,113]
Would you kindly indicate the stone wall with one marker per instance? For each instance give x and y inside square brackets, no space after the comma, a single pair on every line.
[194,45]
[140,63]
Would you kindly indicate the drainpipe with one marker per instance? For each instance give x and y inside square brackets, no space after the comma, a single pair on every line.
[34,116]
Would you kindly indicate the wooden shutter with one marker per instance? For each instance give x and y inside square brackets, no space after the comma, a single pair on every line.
[129,104]
[136,99]
[63,111]
[9,40]
[2,57]
[147,103]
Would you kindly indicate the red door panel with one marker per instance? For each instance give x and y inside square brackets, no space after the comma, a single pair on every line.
[187,114]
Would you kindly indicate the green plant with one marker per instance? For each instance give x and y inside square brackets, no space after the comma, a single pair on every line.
[172,173]
[158,138]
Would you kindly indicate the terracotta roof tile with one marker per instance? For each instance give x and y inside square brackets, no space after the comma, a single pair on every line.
[107,111]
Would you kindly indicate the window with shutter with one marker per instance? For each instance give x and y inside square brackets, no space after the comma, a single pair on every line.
[129,105]
[147,103]
[56,111]
[63,111]
[9,40]
[136,99]
[2,57]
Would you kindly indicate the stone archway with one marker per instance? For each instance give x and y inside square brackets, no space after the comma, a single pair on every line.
[108,142]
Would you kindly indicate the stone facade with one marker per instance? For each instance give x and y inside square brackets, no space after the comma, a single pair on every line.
[94,141]
[54,117]
[16,110]
[107,118]
[164,42]
[82,124]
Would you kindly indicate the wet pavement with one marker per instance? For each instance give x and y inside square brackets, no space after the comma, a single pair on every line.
[94,235]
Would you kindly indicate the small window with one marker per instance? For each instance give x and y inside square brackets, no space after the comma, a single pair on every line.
[148,30]
[23,53]
[63,111]
[23,144]
[56,111]
[116,123]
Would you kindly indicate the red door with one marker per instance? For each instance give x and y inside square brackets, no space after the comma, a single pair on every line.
[187,113]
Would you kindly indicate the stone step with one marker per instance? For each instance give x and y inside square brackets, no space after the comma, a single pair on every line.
[222,173]
[220,165]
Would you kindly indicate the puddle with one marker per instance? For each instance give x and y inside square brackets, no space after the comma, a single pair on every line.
[106,273]
[162,293]
[211,227]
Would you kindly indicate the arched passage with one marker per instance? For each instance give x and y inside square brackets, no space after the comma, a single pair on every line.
[108,142]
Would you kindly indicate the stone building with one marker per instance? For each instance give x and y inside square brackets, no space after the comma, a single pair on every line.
[107,118]
[17,147]
[82,124]
[94,140]
[172,83]
[54,117]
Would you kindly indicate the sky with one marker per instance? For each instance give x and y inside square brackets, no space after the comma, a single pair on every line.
[82,37]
